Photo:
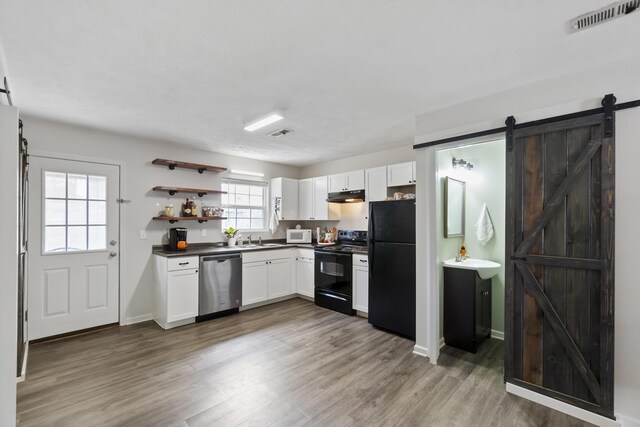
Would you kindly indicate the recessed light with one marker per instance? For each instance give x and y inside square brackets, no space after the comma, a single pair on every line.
[264,121]
[249,173]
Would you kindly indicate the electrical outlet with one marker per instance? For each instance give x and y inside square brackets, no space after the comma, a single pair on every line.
[143,235]
[203,233]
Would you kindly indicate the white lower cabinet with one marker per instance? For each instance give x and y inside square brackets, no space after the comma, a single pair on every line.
[361,283]
[176,282]
[305,264]
[266,275]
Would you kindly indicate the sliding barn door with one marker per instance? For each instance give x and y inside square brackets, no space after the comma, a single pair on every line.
[559,263]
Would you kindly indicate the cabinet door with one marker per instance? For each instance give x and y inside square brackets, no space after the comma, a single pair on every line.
[485,317]
[338,182]
[279,281]
[400,174]
[320,205]
[304,276]
[361,288]
[182,295]
[254,282]
[305,199]
[375,186]
[355,180]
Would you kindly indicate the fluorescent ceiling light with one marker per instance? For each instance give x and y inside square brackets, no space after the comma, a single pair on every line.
[265,121]
[240,172]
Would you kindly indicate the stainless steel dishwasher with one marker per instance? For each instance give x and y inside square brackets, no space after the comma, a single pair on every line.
[220,285]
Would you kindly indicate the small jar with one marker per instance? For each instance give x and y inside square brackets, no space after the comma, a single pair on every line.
[168,211]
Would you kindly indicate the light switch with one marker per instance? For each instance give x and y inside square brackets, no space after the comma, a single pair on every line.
[143,234]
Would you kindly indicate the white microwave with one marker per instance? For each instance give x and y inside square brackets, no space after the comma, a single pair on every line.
[298,236]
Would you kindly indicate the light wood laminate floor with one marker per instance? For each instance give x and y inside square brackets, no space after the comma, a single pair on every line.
[290,363]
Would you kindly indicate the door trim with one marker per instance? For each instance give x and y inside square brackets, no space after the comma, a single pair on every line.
[121,213]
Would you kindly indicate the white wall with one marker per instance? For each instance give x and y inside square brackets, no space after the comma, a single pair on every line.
[8,264]
[485,183]
[140,176]
[562,95]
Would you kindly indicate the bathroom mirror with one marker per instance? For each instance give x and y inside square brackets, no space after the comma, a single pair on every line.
[454,196]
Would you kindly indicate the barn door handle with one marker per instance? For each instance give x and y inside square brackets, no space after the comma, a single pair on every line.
[518,258]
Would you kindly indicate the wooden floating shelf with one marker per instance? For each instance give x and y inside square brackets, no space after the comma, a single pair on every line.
[172,164]
[200,219]
[199,191]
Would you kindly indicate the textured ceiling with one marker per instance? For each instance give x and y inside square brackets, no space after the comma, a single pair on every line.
[349,75]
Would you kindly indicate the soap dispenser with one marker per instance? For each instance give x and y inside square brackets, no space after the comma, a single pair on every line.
[462,253]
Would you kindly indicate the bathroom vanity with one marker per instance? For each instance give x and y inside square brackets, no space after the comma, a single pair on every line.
[467,304]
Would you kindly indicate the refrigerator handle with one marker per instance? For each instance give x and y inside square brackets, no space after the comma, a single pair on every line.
[371,253]
[370,232]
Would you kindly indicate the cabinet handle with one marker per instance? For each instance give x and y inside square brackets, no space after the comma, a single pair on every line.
[363,260]
[183,263]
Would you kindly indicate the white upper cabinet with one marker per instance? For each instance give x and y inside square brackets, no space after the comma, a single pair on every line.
[312,199]
[284,198]
[305,198]
[347,181]
[375,186]
[401,174]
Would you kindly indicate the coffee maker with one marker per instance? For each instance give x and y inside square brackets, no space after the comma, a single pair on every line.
[178,239]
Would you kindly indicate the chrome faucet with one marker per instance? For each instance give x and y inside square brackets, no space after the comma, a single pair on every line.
[259,241]
[249,238]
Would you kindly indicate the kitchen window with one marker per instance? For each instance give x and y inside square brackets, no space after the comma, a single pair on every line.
[245,205]
[75,212]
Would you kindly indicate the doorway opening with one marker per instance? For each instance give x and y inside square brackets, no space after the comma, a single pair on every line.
[470,250]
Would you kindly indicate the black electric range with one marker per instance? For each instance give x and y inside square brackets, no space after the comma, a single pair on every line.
[333,271]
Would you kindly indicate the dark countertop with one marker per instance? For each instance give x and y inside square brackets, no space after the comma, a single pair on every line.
[197,249]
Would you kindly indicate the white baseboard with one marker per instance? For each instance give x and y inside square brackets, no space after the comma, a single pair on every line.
[627,421]
[563,407]
[420,351]
[138,319]
[362,314]
[441,342]
[271,301]
[499,335]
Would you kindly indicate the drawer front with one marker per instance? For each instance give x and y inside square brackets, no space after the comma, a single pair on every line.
[183,263]
[360,260]
[267,255]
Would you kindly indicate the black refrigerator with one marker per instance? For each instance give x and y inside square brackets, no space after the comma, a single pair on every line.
[392,266]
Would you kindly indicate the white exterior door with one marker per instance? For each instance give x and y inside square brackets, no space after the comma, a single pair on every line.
[73,246]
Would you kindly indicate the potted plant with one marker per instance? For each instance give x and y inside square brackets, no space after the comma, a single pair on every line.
[230,233]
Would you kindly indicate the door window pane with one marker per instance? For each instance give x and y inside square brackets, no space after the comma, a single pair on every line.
[76,186]
[77,213]
[97,212]
[55,212]
[77,238]
[98,187]
[55,185]
[54,238]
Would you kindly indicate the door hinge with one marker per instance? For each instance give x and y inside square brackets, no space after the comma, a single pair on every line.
[26,316]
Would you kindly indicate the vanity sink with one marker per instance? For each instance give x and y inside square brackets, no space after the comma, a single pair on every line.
[486,269]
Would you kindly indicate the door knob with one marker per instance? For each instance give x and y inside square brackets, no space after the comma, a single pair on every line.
[113,254]
[113,243]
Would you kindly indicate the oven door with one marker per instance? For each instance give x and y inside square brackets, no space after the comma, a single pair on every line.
[333,272]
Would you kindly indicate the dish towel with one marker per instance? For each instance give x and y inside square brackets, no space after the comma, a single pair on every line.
[273,224]
[484,226]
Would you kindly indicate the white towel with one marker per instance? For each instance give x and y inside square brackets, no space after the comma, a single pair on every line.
[484,226]
[273,224]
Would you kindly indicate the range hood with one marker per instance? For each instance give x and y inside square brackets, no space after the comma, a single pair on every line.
[355,196]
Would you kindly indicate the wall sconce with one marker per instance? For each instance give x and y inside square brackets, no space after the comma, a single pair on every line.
[461,163]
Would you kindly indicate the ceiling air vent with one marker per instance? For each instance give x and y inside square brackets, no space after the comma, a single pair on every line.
[281,132]
[607,13]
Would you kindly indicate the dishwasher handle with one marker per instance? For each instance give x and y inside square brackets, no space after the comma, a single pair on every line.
[220,258]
